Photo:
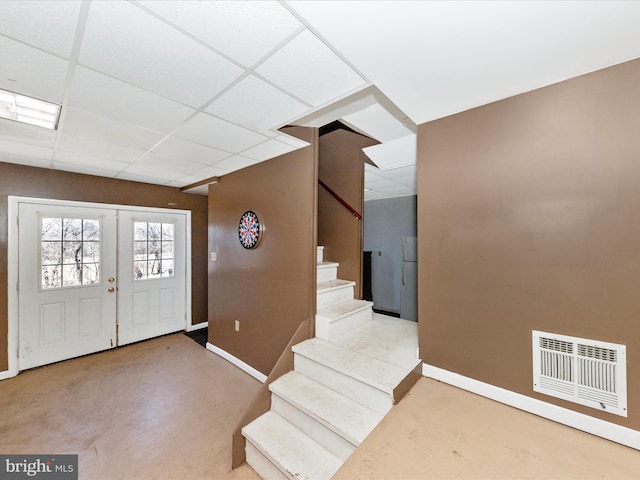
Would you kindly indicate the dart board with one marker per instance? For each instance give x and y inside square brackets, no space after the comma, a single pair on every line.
[250,229]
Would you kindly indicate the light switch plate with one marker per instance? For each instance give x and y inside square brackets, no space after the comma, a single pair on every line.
[214,256]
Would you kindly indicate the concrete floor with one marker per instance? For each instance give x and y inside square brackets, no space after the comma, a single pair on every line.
[166,408]
[160,409]
[440,432]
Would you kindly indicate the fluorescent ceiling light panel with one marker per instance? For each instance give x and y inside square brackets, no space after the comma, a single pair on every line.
[29,110]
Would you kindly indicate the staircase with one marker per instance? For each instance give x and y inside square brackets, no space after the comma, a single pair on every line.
[344,381]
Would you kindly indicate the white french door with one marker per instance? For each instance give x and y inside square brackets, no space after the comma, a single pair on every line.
[92,278]
[151,284]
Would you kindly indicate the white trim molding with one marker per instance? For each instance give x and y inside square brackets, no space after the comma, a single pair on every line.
[237,362]
[197,326]
[595,426]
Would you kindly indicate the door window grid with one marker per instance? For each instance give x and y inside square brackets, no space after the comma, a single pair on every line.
[69,252]
[153,246]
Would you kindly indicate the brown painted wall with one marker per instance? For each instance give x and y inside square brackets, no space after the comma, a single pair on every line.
[269,289]
[529,219]
[42,183]
[341,167]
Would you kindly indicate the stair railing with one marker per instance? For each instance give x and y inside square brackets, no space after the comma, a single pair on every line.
[340,199]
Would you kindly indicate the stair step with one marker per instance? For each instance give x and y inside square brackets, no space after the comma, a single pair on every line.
[364,379]
[334,291]
[343,309]
[351,420]
[336,320]
[293,453]
[327,271]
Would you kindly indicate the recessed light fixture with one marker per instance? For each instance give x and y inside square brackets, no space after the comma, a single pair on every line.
[21,108]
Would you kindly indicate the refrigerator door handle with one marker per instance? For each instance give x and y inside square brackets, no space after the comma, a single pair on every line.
[403,264]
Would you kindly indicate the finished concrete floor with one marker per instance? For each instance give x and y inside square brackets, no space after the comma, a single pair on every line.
[160,409]
[166,408]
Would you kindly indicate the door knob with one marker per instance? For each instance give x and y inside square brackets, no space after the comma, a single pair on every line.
[111,280]
[111,289]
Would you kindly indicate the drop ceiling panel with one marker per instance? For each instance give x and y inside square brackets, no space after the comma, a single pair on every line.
[255,104]
[90,146]
[307,68]
[393,154]
[24,160]
[144,173]
[289,140]
[20,132]
[29,71]
[208,172]
[155,162]
[267,150]
[64,158]
[118,100]
[84,168]
[212,131]
[44,24]
[376,122]
[236,163]
[164,61]
[433,59]
[18,148]
[177,148]
[246,31]
[105,129]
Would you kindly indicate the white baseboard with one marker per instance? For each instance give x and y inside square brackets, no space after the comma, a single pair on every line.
[237,362]
[197,326]
[6,374]
[595,426]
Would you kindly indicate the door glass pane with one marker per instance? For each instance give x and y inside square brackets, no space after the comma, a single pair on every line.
[153,250]
[69,252]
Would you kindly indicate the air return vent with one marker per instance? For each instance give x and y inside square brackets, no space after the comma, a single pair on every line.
[587,372]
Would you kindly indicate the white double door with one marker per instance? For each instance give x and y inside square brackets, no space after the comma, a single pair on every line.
[90,279]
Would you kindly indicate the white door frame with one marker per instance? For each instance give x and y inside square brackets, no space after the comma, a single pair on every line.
[12,265]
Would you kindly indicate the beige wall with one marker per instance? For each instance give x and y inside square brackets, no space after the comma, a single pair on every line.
[42,183]
[341,168]
[270,289]
[529,218]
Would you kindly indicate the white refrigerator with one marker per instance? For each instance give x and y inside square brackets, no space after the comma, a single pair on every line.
[409,295]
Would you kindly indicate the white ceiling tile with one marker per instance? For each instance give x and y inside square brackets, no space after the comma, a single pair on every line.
[144,173]
[45,24]
[106,129]
[437,58]
[24,160]
[101,94]
[29,71]
[85,169]
[208,172]
[90,160]
[255,104]
[393,154]
[307,68]
[21,132]
[179,167]
[164,61]
[376,122]
[400,172]
[267,150]
[246,31]
[236,163]
[289,140]
[10,147]
[212,131]
[193,152]
[92,147]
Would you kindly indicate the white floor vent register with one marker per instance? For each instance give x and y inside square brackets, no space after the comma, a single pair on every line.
[587,372]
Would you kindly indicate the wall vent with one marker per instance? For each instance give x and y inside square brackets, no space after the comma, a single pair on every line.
[587,372]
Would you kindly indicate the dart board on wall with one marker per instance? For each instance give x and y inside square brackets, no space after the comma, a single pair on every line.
[250,229]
